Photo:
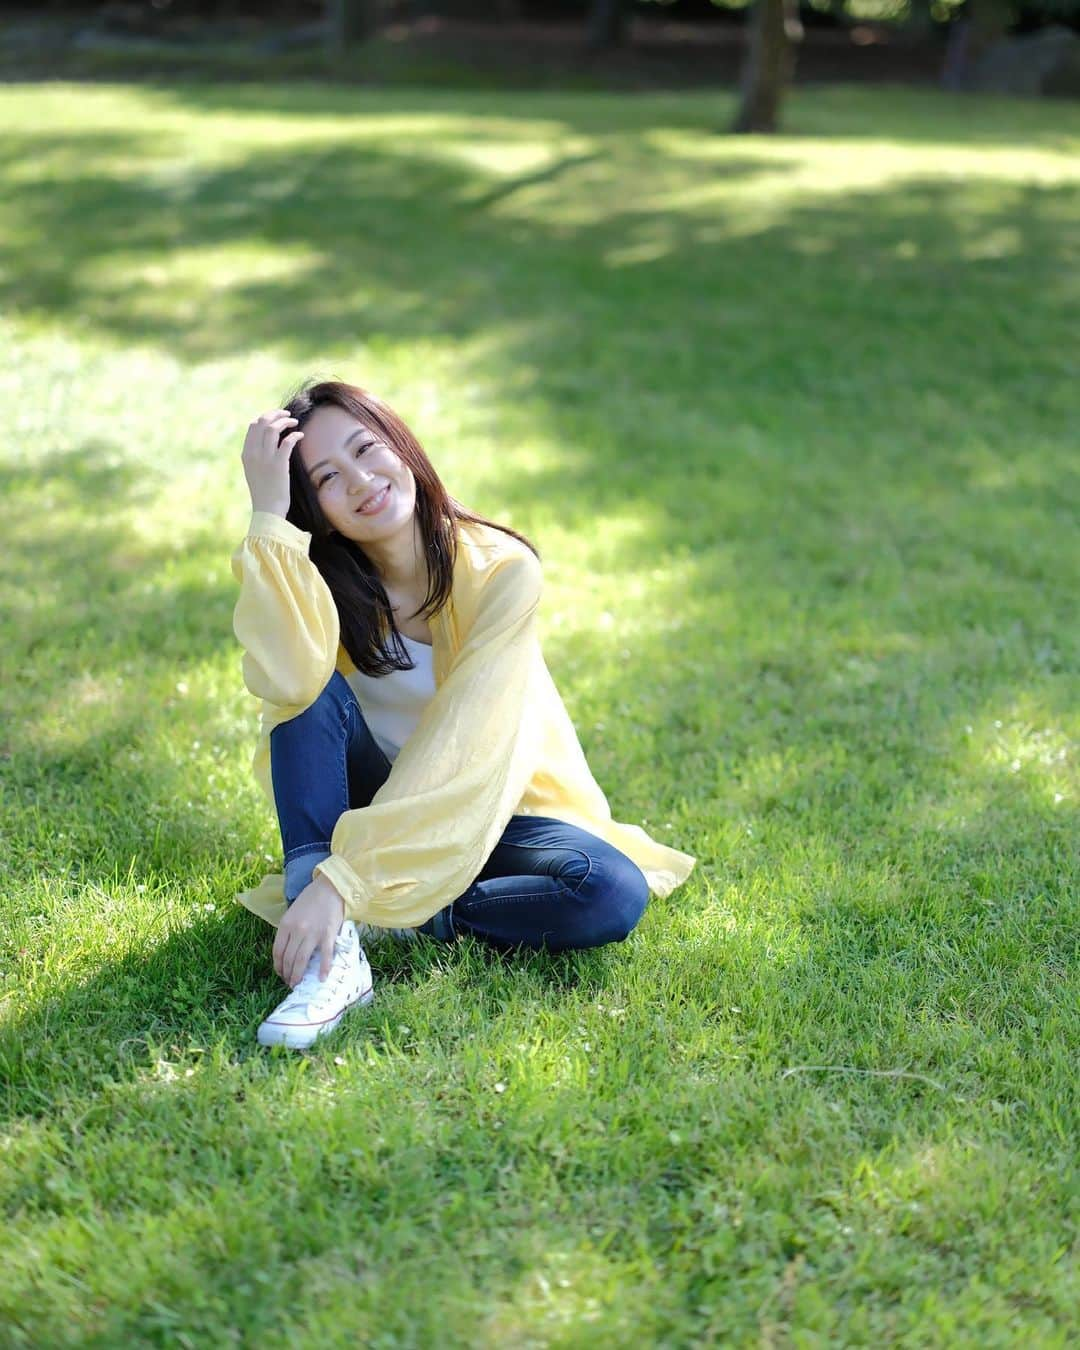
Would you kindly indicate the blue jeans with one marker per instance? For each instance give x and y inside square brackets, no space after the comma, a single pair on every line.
[546,884]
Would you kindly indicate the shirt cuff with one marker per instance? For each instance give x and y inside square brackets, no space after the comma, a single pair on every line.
[268,525]
[347,884]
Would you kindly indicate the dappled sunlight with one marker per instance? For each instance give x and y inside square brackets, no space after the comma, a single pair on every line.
[192,274]
[786,419]
[1022,746]
[829,164]
[392,230]
[919,1187]
[642,251]
[994,761]
[500,158]
[556,1295]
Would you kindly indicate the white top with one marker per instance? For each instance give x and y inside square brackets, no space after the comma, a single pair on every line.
[392,703]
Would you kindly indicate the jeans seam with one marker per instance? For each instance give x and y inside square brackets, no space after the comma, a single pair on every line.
[580,852]
[489,902]
[531,895]
[346,706]
[343,764]
[546,848]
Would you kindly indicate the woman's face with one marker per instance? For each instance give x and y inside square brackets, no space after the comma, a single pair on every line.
[349,464]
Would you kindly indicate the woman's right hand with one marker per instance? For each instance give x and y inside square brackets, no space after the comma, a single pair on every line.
[266,460]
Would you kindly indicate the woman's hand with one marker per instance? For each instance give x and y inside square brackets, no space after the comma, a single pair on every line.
[311,921]
[265,457]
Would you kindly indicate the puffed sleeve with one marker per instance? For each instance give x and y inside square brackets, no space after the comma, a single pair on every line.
[285,617]
[458,778]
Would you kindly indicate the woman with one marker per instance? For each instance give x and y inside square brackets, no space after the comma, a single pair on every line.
[424,771]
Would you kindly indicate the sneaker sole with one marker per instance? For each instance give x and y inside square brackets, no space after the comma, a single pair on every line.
[299,1038]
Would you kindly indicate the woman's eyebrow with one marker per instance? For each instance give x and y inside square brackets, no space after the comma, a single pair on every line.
[359,431]
[345,445]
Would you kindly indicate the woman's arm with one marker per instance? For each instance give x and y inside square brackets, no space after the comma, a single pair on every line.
[285,617]
[458,778]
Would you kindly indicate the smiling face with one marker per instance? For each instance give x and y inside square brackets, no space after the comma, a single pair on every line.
[349,464]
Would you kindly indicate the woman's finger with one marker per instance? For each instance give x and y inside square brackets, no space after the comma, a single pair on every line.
[287,956]
[281,945]
[272,430]
[293,941]
[326,950]
[298,956]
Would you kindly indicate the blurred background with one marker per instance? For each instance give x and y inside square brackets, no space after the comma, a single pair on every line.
[1021,47]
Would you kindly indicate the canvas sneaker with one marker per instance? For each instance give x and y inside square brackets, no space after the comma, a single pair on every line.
[315,1007]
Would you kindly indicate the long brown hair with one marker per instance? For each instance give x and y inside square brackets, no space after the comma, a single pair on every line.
[368,632]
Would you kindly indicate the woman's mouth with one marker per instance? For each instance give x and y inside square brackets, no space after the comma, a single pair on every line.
[375,504]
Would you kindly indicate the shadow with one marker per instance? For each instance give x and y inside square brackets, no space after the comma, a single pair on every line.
[405,238]
[115,633]
[196,979]
[835,111]
[826,435]
[541,176]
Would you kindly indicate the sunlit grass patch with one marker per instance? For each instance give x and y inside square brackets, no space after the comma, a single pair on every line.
[789,422]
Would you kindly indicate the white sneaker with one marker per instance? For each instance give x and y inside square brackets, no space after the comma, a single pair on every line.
[315,1007]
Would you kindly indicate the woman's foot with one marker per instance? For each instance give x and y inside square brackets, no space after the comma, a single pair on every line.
[315,1007]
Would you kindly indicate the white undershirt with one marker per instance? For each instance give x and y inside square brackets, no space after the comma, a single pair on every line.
[392,703]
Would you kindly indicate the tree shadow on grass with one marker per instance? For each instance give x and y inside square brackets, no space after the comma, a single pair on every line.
[393,242]
[828,613]
[114,636]
[93,586]
[197,978]
[835,113]
[104,1068]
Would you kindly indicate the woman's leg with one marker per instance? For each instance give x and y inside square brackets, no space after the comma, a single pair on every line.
[548,885]
[322,762]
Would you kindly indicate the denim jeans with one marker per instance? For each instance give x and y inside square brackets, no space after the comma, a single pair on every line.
[546,884]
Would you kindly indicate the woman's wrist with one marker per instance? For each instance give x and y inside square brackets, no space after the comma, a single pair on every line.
[327,891]
[271,508]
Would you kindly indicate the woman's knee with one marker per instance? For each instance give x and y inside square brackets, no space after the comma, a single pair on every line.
[333,697]
[336,691]
[616,896]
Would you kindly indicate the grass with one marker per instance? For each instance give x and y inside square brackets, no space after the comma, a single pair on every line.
[790,422]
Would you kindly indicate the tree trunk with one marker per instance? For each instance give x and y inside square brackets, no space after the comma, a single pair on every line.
[607,24]
[982,23]
[348,22]
[769,64]
[957,62]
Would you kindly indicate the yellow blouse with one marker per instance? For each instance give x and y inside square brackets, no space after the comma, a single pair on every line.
[495,740]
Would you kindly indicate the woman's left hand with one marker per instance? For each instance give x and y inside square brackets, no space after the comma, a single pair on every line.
[311,922]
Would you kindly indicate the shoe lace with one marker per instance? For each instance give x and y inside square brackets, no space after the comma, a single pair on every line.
[312,990]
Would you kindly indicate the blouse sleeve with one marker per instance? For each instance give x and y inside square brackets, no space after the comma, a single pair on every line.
[285,617]
[459,776]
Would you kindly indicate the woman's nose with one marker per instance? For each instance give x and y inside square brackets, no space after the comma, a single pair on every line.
[361,479]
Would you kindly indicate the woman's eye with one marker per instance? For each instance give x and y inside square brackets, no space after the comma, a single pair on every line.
[359,451]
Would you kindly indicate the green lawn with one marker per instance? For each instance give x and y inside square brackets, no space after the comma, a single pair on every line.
[793,424]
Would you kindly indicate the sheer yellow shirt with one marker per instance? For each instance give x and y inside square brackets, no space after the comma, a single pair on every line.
[495,740]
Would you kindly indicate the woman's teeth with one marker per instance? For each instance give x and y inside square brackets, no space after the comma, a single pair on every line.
[375,502]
